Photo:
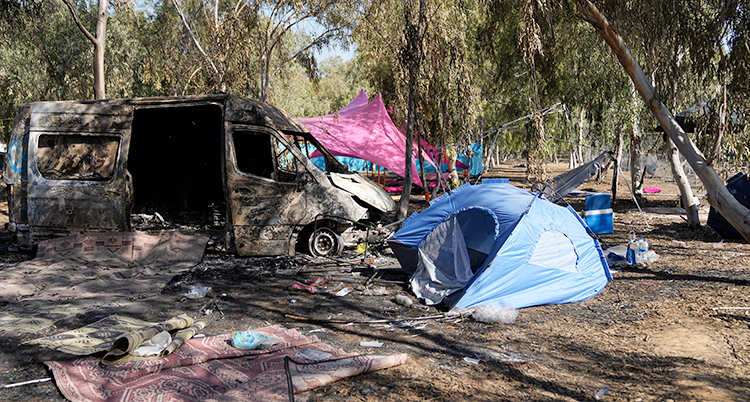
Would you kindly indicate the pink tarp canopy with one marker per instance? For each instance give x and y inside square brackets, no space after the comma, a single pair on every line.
[365,130]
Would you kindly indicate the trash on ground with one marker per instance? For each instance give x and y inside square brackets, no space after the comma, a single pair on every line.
[381,291]
[505,315]
[18,384]
[197,292]
[472,360]
[371,344]
[343,292]
[679,243]
[404,300]
[601,392]
[313,355]
[639,254]
[616,256]
[153,346]
[311,285]
[253,340]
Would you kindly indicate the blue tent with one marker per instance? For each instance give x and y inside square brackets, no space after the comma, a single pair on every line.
[497,244]
[739,187]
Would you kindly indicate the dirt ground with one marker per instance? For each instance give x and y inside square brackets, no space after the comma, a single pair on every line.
[675,330]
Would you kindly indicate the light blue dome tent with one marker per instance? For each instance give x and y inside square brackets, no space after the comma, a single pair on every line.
[496,244]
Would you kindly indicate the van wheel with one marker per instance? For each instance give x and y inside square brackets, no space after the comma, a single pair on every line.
[325,242]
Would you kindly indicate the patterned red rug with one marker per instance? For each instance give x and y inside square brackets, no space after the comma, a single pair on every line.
[95,264]
[210,369]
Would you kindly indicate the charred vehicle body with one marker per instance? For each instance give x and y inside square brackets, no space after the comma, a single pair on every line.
[86,166]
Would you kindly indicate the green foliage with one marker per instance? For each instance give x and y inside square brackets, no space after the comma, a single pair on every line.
[483,62]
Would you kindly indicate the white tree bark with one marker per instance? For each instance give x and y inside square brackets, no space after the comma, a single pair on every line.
[718,195]
[689,201]
[98,41]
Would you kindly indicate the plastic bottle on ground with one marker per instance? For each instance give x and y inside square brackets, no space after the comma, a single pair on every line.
[641,252]
[404,300]
[630,254]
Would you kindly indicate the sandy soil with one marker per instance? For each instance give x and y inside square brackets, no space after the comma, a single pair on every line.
[675,330]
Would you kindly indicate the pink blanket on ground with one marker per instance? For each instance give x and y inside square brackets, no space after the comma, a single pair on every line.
[210,369]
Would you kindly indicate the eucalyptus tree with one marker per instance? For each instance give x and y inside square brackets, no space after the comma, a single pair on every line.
[244,44]
[43,56]
[446,99]
[99,40]
[735,213]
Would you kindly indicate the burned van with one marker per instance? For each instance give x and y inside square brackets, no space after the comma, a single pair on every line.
[89,166]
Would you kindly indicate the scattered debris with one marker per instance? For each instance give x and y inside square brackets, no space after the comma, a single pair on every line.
[18,384]
[371,344]
[600,393]
[404,300]
[197,292]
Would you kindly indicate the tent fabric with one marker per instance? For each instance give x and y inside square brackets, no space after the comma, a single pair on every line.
[444,264]
[560,186]
[523,250]
[365,130]
[739,186]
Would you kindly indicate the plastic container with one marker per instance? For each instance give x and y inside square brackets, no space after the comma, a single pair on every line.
[641,254]
[630,255]
[404,300]
[601,393]
[679,243]
[598,213]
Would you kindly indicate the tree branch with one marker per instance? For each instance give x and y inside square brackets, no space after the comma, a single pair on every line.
[78,22]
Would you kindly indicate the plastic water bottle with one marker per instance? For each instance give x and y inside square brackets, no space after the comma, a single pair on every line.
[630,254]
[404,300]
[641,255]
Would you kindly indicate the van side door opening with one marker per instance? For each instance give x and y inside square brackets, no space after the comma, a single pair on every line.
[175,163]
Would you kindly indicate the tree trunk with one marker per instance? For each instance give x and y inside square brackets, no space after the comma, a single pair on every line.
[535,153]
[636,162]
[98,41]
[101,38]
[618,160]
[713,157]
[411,59]
[422,177]
[689,201]
[718,195]
[579,145]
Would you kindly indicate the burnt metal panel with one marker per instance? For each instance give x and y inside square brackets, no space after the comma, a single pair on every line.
[75,117]
[265,215]
[248,111]
[72,200]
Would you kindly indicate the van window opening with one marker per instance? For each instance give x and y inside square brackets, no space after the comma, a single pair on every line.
[252,151]
[77,157]
[307,145]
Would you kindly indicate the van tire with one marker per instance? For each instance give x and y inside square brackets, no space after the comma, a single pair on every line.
[325,242]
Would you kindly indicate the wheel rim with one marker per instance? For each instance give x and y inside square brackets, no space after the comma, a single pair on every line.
[324,242]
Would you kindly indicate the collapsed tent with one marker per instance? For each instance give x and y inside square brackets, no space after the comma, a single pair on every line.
[739,187]
[560,186]
[365,130]
[497,244]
